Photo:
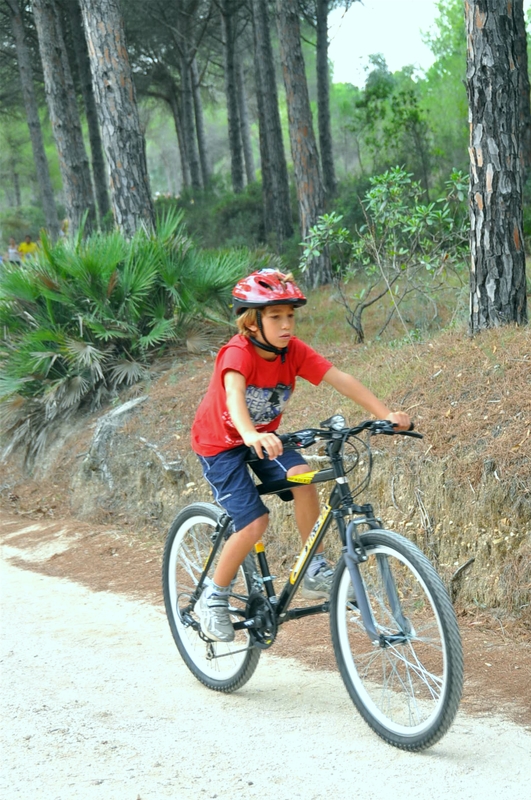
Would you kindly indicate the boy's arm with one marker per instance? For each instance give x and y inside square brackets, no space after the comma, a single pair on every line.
[348,386]
[235,387]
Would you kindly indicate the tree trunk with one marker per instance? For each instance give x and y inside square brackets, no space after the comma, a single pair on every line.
[16,187]
[275,183]
[99,169]
[64,115]
[525,99]
[323,99]
[188,121]
[32,115]
[268,199]
[310,193]
[177,119]
[497,276]
[200,126]
[228,21]
[244,124]
[118,114]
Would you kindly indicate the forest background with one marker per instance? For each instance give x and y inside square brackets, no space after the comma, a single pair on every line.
[413,118]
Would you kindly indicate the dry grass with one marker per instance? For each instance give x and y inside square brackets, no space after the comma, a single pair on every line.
[464,493]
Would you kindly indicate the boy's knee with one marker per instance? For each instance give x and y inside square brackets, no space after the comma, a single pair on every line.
[256,529]
[298,469]
[307,491]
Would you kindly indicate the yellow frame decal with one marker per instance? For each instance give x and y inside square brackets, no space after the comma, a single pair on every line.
[304,477]
[301,560]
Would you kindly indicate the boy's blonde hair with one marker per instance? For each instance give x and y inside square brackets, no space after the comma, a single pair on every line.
[245,319]
[249,316]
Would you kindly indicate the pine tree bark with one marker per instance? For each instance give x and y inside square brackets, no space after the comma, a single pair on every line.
[275,182]
[118,115]
[173,99]
[304,152]
[188,118]
[64,116]
[497,276]
[244,124]
[99,169]
[34,125]
[323,99]
[228,25]
[200,126]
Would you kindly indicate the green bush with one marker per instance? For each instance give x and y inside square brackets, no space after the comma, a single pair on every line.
[17,223]
[404,249]
[86,316]
[218,217]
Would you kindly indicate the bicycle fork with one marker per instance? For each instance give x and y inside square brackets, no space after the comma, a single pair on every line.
[354,555]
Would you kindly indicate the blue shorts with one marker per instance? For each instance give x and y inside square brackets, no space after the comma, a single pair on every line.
[234,489]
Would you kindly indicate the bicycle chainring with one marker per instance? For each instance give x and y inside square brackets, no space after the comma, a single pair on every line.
[264,633]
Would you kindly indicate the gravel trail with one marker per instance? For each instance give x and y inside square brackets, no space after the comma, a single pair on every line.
[97,704]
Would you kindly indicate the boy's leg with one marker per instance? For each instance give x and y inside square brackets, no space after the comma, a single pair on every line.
[317,581]
[213,605]
[238,546]
[306,503]
[235,491]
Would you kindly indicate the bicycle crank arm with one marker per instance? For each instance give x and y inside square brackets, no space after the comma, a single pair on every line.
[298,613]
[255,622]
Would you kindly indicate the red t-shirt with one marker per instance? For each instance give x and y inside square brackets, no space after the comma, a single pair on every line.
[269,384]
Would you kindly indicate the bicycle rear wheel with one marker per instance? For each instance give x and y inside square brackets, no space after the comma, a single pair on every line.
[221,666]
[407,686]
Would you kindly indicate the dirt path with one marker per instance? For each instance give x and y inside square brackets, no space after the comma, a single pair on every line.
[100,706]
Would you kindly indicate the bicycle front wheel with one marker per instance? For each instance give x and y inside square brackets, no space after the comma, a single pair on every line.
[222,666]
[407,685]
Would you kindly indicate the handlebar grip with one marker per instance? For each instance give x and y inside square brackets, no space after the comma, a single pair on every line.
[412,433]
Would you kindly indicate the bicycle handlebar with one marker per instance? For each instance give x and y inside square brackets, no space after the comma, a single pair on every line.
[331,429]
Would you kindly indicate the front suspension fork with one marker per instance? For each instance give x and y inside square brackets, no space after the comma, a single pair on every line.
[354,554]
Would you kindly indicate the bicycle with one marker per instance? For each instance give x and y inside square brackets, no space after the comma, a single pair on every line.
[394,631]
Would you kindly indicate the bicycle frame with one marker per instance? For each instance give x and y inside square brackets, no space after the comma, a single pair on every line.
[340,506]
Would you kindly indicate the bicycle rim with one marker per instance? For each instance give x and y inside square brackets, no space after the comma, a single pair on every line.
[223,666]
[408,691]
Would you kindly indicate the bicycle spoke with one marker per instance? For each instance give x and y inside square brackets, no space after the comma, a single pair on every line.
[217,664]
[399,683]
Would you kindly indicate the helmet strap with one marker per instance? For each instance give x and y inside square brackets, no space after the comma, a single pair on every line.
[270,348]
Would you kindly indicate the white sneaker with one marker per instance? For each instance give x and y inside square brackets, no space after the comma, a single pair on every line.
[213,613]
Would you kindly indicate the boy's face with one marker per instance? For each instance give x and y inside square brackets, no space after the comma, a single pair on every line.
[278,323]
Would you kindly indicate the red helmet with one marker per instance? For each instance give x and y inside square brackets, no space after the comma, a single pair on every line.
[267,287]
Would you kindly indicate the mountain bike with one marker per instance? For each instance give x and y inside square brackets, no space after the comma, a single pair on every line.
[394,631]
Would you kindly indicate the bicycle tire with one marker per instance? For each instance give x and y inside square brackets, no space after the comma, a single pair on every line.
[221,666]
[407,692]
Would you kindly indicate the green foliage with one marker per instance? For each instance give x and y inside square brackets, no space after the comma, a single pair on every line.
[220,218]
[390,124]
[527,212]
[443,91]
[348,201]
[404,247]
[18,222]
[86,316]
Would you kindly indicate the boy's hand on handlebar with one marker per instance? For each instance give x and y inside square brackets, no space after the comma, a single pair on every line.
[400,419]
[264,441]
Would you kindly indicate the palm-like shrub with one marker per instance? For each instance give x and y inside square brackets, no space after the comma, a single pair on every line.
[88,315]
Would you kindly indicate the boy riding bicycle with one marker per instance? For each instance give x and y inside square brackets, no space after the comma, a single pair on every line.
[254,377]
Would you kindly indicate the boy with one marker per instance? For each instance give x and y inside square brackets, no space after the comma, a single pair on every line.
[254,377]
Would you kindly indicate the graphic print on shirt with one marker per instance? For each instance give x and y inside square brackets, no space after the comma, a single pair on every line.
[265,404]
